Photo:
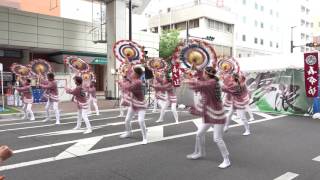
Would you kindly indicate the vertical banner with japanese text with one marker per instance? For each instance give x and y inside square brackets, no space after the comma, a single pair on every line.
[176,75]
[311,70]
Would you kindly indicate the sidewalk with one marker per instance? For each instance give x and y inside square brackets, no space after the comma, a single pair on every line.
[64,107]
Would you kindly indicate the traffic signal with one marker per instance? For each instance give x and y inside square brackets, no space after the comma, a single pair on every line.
[210,38]
[313,44]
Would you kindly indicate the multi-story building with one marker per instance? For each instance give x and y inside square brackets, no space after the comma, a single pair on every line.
[301,23]
[205,19]
[258,28]
[25,36]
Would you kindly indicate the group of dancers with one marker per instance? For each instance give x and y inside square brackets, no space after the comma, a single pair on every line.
[208,86]
[83,96]
[209,104]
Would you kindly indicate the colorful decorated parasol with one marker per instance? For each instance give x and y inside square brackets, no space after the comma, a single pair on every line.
[157,64]
[197,54]
[128,52]
[77,65]
[21,70]
[228,66]
[40,67]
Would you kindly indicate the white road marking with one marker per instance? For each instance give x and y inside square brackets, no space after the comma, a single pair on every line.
[236,119]
[316,159]
[71,117]
[70,131]
[79,149]
[155,133]
[156,138]
[48,125]
[287,176]
[265,115]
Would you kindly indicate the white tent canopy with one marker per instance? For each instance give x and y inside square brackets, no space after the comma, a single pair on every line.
[271,63]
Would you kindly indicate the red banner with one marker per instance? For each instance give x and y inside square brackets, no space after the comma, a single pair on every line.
[311,70]
[176,75]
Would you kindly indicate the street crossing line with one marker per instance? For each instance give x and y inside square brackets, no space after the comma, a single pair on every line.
[48,125]
[71,117]
[287,176]
[316,159]
[155,138]
[71,131]
[263,115]
[106,135]
[79,149]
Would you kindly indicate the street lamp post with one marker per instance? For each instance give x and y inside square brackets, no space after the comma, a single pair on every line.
[291,42]
[130,20]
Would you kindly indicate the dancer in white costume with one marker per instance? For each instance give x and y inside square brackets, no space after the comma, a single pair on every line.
[247,107]
[158,94]
[240,99]
[169,98]
[210,108]
[93,98]
[137,104]
[27,99]
[80,97]
[51,92]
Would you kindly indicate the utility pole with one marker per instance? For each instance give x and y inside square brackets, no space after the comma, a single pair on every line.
[130,20]
[291,42]
[187,31]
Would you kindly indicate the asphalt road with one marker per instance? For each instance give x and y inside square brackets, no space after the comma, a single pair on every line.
[280,147]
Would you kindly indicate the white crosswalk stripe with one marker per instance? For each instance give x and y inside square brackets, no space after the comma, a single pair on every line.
[287,176]
[82,146]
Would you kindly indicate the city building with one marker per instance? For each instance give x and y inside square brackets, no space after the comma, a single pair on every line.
[300,18]
[25,36]
[259,27]
[205,19]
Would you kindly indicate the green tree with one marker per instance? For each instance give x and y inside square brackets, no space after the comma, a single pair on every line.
[168,42]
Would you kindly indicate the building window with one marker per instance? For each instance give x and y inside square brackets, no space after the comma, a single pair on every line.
[302,49]
[302,36]
[261,25]
[227,28]
[239,55]
[244,19]
[256,6]
[271,12]
[307,37]
[181,26]
[307,24]
[271,44]
[244,2]
[303,9]
[311,25]
[277,45]
[256,40]
[255,23]
[166,27]
[319,24]
[261,41]
[243,37]
[223,51]
[262,8]
[220,26]
[248,55]
[307,11]
[303,22]
[154,30]
[194,23]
